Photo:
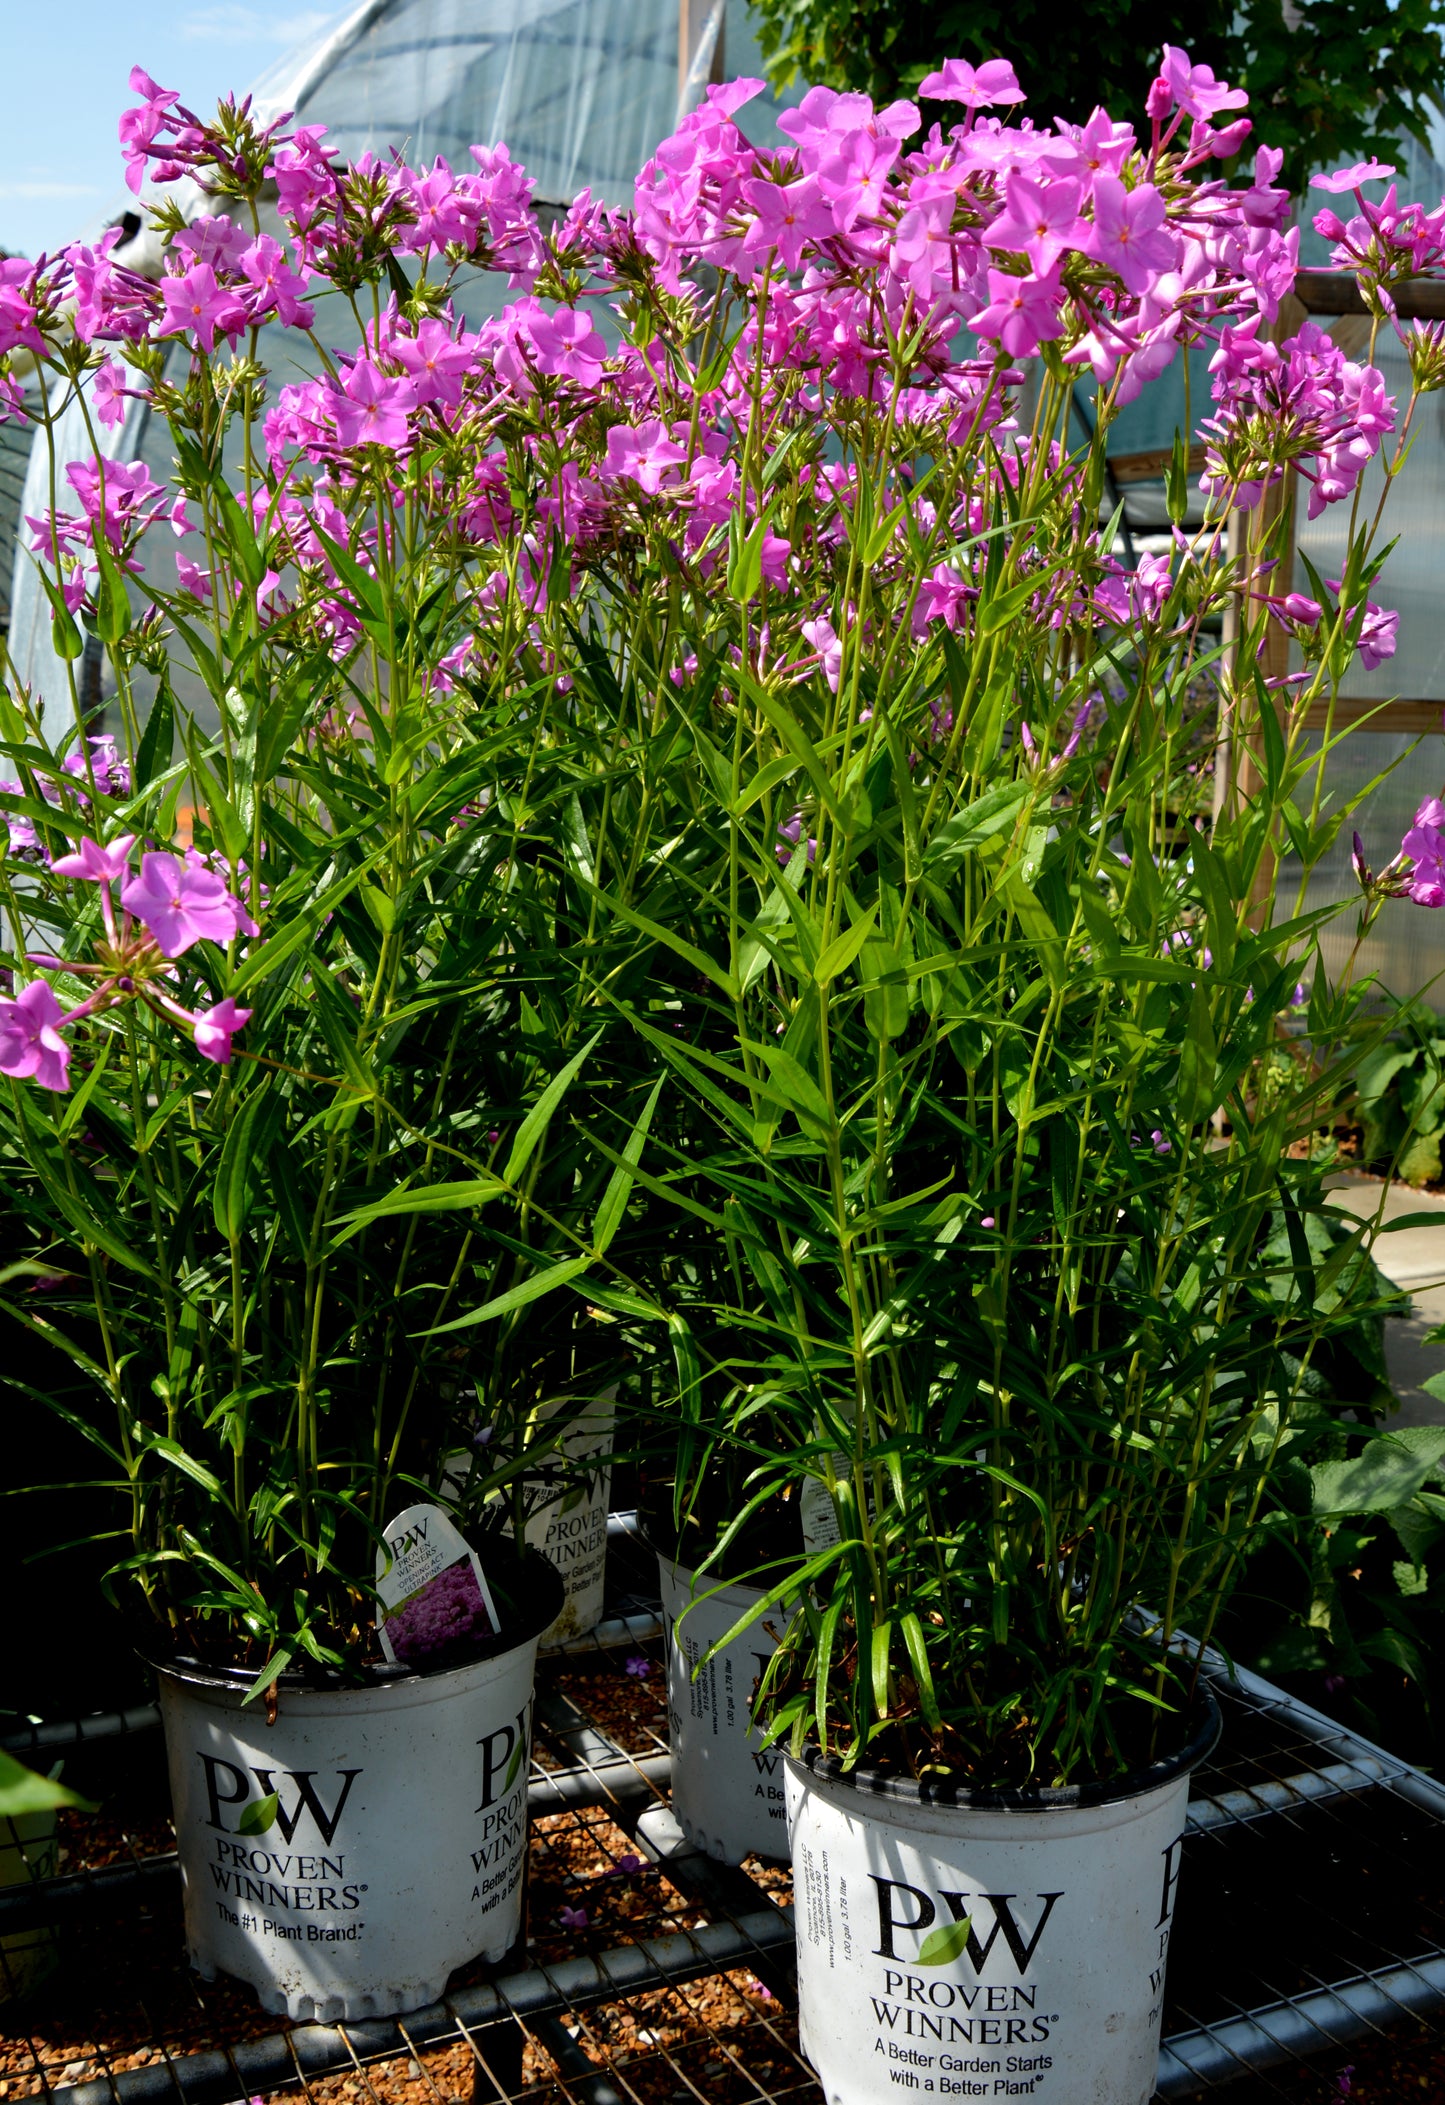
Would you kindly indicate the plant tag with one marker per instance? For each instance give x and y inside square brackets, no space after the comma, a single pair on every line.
[433,1591]
[818,1513]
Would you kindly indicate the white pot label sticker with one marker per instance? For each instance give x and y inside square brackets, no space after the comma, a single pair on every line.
[818,1513]
[433,1591]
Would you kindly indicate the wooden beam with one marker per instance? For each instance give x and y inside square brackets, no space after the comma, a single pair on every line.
[1336,292]
[1409,718]
[1149,467]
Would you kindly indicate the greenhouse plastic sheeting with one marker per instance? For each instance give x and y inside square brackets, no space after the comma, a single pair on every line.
[581,91]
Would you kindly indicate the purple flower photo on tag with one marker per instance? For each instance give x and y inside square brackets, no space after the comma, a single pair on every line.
[447,1612]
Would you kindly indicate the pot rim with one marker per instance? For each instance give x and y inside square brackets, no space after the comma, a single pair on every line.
[550,1591]
[1206,1724]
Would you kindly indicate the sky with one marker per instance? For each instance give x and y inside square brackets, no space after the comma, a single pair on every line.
[66,67]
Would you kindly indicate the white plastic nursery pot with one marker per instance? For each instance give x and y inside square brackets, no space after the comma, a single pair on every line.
[568,1522]
[396,1849]
[986,1944]
[27,1853]
[727,1789]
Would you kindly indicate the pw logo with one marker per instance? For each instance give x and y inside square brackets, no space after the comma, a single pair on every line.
[308,1799]
[964,1937]
[403,1545]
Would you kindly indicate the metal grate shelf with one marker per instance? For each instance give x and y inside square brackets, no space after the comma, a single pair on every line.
[1308,1918]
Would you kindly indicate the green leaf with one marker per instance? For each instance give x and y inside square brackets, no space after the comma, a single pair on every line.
[64,631]
[619,1185]
[258,1817]
[994,812]
[837,956]
[238,1170]
[529,1290]
[949,1941]
[112,600]
[1197,1060]
[922,1672]
[698,959]
[1391,1470]
[23,1792]
[535,1124]
[153,755]
[426,1198]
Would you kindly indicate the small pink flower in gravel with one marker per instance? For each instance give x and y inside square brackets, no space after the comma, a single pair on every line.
[572,1918]
[639,1667]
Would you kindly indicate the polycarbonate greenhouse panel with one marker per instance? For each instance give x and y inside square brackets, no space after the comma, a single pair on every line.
[1308,1916]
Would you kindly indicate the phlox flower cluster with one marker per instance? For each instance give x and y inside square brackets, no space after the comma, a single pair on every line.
[443,1616]
[166,907]
[871,260]
[1302,403]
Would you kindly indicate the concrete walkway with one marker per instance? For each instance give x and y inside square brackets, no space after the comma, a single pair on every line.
[1414,1259]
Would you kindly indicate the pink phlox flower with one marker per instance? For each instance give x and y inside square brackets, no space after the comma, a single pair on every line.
[854,177]
[1100,147]
[1022,312]
[23,839]
[567,343]
[1351,178]
[198,305]
[305,180]
[789,218]
[645,454]
[1194,88]
[111,774]
[821,634]
[275,287]
[988,86]
[181,903]
[113,493]
[215,239]
[212,865]
[17,307]
[790,836]
[191,578]
[370,408]
[1130,235]
[1424,845]
[108,395]
[1152,584]
[1263,204]
[139,128]
[95,864]
[572,1918]
[1041,218]
[215,1028]
[1378,637]
[30,1040]
[942,596]
[441,216]
[921,252]
[1082,720]
[774,553]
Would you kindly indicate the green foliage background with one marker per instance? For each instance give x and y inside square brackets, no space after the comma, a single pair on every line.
[1326,80]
